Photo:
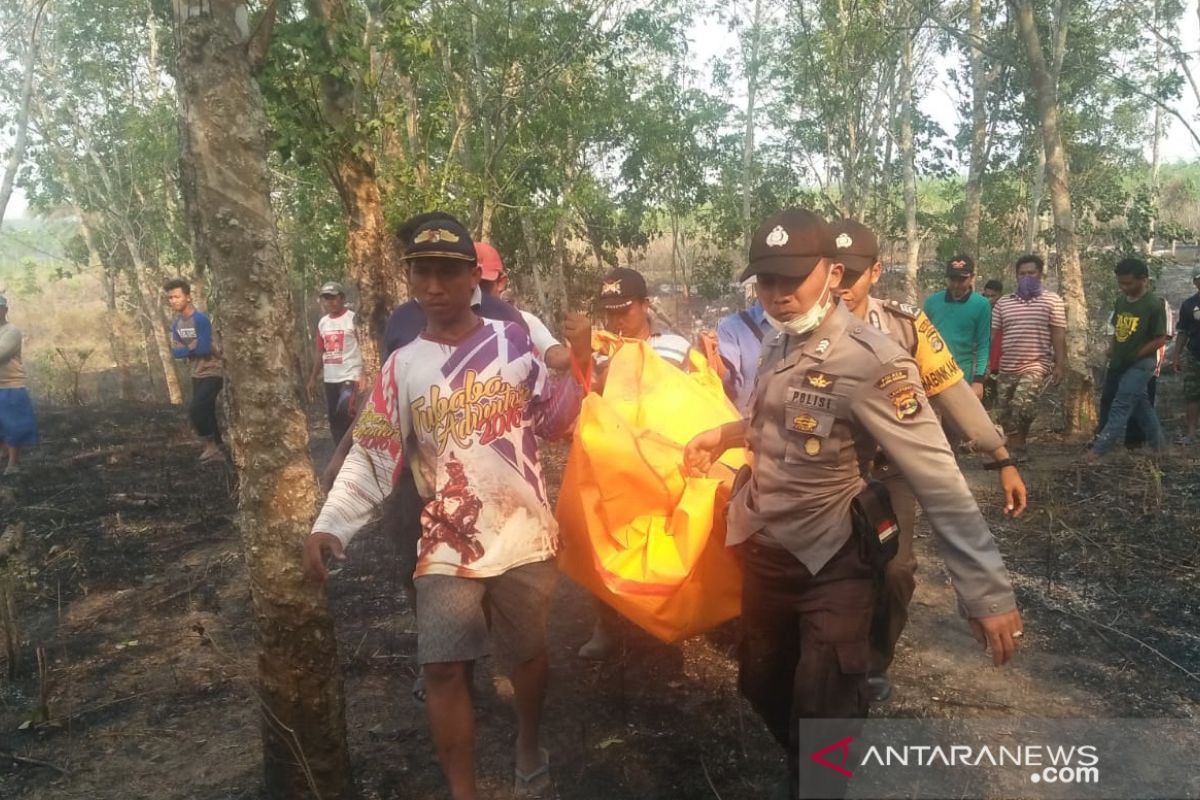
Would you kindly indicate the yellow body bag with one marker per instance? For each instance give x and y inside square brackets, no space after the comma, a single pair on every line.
[635,532]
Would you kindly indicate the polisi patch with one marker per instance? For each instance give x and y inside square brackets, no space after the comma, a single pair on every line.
[814,400]
[906,401]
[890,378]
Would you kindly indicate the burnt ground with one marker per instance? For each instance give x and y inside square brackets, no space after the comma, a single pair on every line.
[131,585]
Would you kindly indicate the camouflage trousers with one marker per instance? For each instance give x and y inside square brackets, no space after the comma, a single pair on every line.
[1017,395]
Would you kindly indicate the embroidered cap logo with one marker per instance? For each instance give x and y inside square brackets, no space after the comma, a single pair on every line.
[843,241]
[778,237]
[436,235]
[611,288]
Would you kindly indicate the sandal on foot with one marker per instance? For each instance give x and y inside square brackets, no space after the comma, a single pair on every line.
[418,690]
[533,784]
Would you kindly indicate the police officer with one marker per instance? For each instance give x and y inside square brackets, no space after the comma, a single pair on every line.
[831,390]
[857,250]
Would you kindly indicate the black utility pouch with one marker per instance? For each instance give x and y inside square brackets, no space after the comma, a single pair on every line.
[876,526]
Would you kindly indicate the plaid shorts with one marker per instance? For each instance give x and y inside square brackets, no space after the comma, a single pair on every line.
[453,626]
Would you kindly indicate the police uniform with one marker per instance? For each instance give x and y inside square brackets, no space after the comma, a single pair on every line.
[824,403]
[950,396]
[955,403]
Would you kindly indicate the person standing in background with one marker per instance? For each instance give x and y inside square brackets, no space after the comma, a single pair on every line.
[739,340]
[192,338]
[338,360]
[18,425]
[964,320]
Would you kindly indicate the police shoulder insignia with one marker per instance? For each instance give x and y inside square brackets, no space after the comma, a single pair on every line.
[890,378]
[819,380]
[821,347]
[905,309]
[906,401]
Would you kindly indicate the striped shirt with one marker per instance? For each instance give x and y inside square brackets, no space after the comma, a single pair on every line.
[1025,327]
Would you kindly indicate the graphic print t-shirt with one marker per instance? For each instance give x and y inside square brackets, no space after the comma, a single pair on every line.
[338,343]
[1135,322]
[464,417]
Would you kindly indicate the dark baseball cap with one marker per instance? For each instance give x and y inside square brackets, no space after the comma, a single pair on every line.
[622,286]
[960,267]
[331,289]
[441,238]
[790,243]
[856,247]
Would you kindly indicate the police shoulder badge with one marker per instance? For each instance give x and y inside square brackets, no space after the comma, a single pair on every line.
[821,347]
[843,241]
[891,378]
[906,401]
[778,237]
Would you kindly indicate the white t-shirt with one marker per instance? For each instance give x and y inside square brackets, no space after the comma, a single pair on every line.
[464,417]
[337,342]
[542,338]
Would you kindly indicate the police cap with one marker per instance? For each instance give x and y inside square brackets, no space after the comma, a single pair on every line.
[789,243]
[856,247]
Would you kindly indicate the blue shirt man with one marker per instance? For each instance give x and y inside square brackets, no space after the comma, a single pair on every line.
[739,341]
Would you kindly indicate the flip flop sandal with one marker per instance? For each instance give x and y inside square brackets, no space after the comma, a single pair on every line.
[418,690]
[534,784]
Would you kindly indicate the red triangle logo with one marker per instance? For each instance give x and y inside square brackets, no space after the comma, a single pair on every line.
[844,748]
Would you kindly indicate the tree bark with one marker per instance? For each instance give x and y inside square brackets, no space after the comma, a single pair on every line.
[112,317]
[223,131]
[372,259]
[28,64]
[912,259]
[1080,406]
[973,210]
[748,142]
[1155,147]
[1037,189]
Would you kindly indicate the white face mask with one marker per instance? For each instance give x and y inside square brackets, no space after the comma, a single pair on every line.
[809,320]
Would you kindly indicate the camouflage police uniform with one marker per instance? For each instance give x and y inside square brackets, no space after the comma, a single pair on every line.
[824,403]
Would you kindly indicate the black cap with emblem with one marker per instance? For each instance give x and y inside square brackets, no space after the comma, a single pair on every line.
[960,267]
[621,287]
[789,243]
[441,238]
[855,246]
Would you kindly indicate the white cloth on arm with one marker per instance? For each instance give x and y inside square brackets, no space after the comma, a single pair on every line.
[542,338]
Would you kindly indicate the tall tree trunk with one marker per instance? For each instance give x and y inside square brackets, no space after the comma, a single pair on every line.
[371,257]
[1080,403]
[1037,189]
[979,129]
[28,64]
[300,688]
[112,317]
[912,258]
[561,256]
[748,141]
[1156,143]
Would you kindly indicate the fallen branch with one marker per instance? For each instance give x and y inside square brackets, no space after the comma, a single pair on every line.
[33,762]
[708,778]
[1133,638]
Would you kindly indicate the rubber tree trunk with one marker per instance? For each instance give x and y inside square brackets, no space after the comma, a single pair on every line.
[973,210]
[752,63]
[912,258]
[1080,405]
[223,131]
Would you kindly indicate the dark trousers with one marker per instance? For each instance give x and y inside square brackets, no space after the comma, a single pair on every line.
[203,411]
[339,403]
[899,577]
[1134,435]
[804,653]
